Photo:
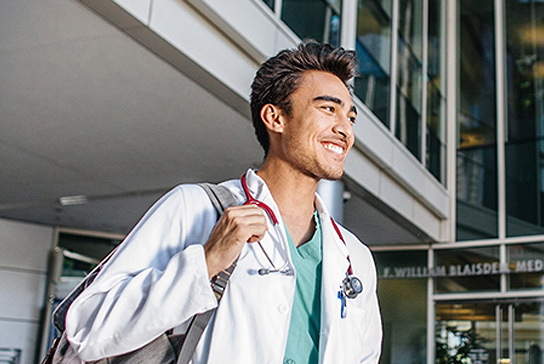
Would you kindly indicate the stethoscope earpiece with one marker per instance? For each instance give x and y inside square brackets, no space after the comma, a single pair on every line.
[266,271]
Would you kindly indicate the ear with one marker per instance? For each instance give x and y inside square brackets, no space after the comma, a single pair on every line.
[271,116]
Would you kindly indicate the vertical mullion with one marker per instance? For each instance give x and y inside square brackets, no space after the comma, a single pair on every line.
[451,110]
[504,265]
[443,89]
[431,316]
[500,77]
[394,66]
[277,8]
[511,321]
[498,331]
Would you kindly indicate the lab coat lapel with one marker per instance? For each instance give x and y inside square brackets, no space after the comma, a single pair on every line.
[276,247]
[335,265]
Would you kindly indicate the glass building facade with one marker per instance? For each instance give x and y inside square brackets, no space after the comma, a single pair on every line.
[401,50]
[499,187]
[479,296]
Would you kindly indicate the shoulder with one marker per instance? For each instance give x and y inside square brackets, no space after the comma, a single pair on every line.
[192,198]
[179,198]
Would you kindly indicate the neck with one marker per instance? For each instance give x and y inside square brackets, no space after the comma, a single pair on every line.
[294,193]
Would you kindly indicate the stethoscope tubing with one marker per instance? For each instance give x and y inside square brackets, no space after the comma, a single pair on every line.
[250,200]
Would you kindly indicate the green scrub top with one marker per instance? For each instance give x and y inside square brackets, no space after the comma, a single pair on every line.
[303,339]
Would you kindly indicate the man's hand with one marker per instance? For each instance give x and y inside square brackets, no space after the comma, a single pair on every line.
[236,226]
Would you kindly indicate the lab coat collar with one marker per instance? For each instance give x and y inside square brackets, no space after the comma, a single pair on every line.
[259,190]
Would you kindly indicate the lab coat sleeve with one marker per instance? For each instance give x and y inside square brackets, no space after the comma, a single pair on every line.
[157,280]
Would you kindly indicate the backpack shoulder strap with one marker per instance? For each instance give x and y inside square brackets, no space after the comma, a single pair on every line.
[220,196]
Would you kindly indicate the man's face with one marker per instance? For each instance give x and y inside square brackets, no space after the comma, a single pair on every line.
[318,133]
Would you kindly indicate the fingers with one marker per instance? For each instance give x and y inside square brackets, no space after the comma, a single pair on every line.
[243,222]
[236,226]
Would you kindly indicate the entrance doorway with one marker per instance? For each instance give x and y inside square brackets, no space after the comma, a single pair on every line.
[490,332]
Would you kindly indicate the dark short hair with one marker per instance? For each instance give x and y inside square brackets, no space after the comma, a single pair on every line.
[280,76]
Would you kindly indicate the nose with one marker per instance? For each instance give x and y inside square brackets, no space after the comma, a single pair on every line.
[344,127]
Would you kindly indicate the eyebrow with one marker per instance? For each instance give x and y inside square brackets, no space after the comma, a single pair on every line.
[336,100]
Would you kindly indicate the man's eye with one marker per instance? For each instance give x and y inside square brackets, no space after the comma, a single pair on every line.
[329,108]
[352,119]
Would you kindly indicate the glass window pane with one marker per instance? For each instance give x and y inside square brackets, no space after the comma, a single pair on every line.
[409,78]
[403,303]
[476,153]
[373,46]
[408,125]
[436,144]
[468,270]
[408,128]
[336,5]
[411,24]
[312,19]
[435,49]
[524,146]
[386,5]
[526,263]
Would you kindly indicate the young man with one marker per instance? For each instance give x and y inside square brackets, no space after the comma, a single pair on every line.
[286,301]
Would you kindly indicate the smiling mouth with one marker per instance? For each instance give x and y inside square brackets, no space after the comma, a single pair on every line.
[334,148]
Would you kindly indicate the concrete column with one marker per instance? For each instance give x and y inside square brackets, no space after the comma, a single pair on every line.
[349,24]
[332,193]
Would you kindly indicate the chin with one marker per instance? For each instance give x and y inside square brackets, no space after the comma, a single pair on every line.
[332,175]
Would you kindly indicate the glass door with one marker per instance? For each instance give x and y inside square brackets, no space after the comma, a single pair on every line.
[528,332]
[490,332]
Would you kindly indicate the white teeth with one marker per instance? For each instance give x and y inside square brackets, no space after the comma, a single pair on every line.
[334,148]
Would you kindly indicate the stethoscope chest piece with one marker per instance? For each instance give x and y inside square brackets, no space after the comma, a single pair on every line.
[351,286]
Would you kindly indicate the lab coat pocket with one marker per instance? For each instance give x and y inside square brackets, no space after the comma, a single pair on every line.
[355,328]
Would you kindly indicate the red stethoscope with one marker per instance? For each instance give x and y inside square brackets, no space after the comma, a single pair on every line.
[351,286]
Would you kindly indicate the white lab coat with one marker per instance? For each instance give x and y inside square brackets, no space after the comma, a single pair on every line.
[158,280]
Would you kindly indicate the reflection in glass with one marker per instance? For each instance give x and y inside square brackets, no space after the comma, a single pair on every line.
[468,270]
[409,89]
[465,333]
[524,145]
[435,153]
[80,254]
[528,332]
[313,19]
[475,332]
[435,145]
[526,263]
[373,46]
[476,153]
[270,3]
[403,303]
[408,125]
[411,24]
[408,129]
